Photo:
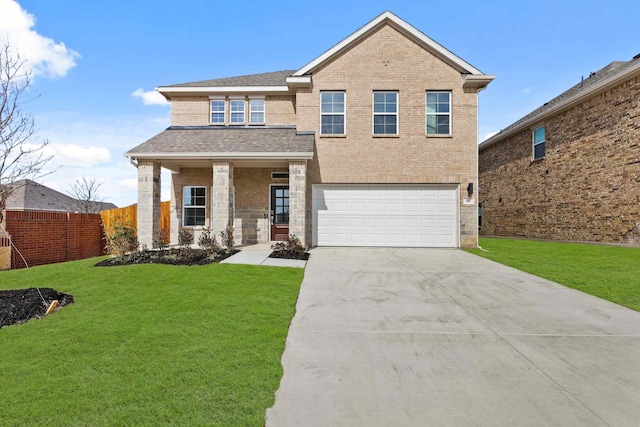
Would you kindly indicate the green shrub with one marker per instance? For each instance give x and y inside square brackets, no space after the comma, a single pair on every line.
[122,238]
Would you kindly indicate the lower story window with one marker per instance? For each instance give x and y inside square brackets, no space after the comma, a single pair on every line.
[194,201]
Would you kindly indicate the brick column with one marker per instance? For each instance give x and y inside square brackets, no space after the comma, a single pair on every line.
[175,208]
[297,199]
[148,201]
[221,205]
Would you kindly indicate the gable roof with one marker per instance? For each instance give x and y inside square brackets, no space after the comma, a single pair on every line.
[609,76]
[405,28]
[30,195]
[274,78]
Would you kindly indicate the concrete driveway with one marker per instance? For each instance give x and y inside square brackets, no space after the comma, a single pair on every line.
[425,337]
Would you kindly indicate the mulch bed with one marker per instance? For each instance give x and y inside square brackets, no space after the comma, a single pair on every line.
[288,255]
[19,305]
[189,257]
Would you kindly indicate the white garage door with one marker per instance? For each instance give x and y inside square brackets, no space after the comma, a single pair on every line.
[385,215]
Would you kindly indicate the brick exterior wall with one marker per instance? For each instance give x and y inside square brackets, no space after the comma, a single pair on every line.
[587,188]
[195,110]
[50,237]
[387,60]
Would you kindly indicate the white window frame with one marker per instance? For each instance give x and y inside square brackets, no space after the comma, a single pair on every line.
[395,114]
[333,113]
[223,112]
[534,143]
[437,113]
[252,111]
[185,206]
[232,111]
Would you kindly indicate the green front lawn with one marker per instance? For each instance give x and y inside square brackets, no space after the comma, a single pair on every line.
[608,272]
[148,345]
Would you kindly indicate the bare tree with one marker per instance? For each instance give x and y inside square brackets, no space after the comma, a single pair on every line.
[85,192]
[20,156]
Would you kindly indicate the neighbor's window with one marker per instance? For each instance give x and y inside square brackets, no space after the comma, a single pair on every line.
[332,112]
[237,111]
[256,111]
[538,142]
[438,113]
[385,113]
[217,111]
[194,201]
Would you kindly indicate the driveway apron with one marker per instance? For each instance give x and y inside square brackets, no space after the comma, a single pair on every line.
[429,337]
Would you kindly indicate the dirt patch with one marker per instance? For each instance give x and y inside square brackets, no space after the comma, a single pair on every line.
[288,255]
[181,256]
[19,305]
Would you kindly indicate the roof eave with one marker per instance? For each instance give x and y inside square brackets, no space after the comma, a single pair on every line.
[282,155]
[169,91]
[476,82]
[568,103]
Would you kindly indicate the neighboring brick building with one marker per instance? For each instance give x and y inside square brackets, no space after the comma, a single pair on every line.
[374,143]
[569,170]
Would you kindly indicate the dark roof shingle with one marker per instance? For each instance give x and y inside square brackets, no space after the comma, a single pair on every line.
[30,195]
[275,78]
[226,139]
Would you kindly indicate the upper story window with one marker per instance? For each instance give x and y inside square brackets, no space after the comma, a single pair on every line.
[256,111]
[438,113]
[236,111]
[332,113]
[539,139]
[217,111]
[385,113]
[194,202]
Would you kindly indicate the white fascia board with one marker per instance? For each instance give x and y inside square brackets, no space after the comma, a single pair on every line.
[570,102]
[223,89]
[403,25]
[223,155]
[476,81]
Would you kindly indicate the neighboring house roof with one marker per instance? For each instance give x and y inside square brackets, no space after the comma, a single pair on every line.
[226,142]
[29,195]
[275,78]
[609,76]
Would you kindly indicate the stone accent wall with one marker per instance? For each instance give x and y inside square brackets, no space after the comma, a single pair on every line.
[222,194]
[392,62]
[297,199]
[587,188]
[148,202]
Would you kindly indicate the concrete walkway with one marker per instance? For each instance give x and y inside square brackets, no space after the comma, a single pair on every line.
[419,337]
[259,255]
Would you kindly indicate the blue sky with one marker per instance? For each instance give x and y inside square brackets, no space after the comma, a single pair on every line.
[90,58]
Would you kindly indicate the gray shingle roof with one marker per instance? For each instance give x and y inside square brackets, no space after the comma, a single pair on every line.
[275,78]
[30,195]
[588,84]
[213,140]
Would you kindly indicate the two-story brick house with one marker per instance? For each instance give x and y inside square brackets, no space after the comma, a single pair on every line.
[373,143]
[570,169]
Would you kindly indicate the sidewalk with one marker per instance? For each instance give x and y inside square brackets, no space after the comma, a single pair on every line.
[259,255]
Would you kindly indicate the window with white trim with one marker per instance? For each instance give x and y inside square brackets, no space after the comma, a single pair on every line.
[385,113]
[438,113]
[256,111]
[539,139]
[194,206]
[332,113]
[217,111]
[236,111]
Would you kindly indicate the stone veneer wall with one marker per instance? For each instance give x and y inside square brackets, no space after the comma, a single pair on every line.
[587,188]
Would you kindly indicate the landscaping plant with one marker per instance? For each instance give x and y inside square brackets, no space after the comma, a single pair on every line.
[122,238]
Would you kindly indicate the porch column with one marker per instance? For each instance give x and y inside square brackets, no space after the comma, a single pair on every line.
[148,201]
[222,196]
[297,199]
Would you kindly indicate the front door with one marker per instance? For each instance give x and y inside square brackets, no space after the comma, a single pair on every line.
[279,212]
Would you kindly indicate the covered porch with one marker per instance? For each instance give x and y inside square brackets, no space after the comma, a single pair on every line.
[254,181]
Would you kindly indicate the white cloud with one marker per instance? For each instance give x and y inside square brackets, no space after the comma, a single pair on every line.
[150,97]
[489,135]
[44,56]
[76,155]
[527,90]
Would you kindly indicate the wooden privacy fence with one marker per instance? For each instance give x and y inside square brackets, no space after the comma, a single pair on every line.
[130,214]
